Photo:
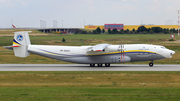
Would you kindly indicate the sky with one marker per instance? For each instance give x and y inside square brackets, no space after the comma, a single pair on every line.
[76,13]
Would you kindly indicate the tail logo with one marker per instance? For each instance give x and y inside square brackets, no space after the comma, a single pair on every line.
[19,37]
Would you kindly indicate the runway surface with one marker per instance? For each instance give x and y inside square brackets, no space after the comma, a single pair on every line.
[85,67]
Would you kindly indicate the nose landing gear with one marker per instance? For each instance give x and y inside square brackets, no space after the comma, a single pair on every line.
[151,64]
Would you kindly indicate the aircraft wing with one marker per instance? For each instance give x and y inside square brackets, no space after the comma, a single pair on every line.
[99,47]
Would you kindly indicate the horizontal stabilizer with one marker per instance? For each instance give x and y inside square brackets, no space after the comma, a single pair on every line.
[8,47]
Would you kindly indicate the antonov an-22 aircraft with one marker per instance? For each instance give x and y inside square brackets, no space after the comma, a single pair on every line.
[99,54]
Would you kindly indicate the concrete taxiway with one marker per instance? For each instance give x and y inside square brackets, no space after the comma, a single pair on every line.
[85,67]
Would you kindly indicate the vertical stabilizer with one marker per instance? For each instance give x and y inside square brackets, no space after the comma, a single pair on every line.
[20,43]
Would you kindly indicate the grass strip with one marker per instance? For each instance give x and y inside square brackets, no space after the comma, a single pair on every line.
[88,94]
[89,86]
[92,79]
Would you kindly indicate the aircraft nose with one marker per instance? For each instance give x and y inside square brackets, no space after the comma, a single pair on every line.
[171,53]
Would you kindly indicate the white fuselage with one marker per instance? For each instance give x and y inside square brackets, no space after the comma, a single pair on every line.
[111,54]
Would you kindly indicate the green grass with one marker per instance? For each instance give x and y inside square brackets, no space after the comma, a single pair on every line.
[90,79]
[103,38]
[88,94]
[91,39]
[89,86]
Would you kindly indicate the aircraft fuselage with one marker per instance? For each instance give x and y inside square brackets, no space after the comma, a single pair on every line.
[111,54]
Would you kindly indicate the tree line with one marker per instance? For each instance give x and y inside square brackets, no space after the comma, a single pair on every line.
[140,30]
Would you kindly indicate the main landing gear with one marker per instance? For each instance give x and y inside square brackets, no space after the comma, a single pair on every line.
[151,64]
[108,64]
[100,65]
[92,65]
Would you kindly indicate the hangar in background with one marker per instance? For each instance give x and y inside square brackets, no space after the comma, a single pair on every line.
[49,30]
[59,30]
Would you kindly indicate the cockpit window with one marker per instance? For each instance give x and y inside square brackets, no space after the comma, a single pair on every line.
[163,47]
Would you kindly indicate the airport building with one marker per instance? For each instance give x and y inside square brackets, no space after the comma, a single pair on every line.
[113,26]
[125,27]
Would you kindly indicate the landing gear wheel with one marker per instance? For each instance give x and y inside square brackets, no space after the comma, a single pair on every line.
[151,64]
[92,65]
[99,64]
[107,64]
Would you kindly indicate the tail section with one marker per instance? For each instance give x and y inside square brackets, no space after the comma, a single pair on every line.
[13,26]
[20,43]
